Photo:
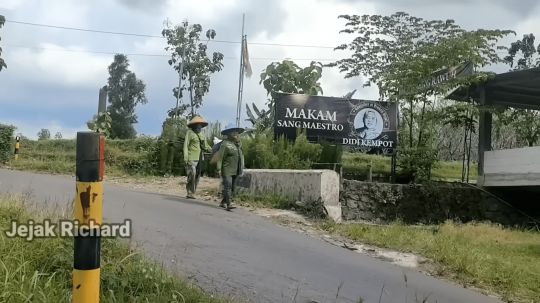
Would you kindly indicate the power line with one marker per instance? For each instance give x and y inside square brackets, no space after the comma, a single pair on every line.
[152,36]
[148,55]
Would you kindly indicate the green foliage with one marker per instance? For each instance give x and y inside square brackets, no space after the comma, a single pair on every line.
[524,47]
[183,42]
[6,142]
[331,153]
[44,134]
[41,271]
[288,77]
[417,163]
[58,135]
[522,55]
[398,53]
[125,92]
[2,62]
[101,123]
[263,152]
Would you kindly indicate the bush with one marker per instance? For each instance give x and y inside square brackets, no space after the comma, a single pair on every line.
[6,142]
[262,152]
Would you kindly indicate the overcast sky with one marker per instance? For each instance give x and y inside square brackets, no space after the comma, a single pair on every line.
[53,78]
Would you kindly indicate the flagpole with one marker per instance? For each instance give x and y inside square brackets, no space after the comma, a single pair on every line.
[241,80]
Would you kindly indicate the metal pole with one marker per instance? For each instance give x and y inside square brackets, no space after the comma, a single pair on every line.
[88,214]
[241,80]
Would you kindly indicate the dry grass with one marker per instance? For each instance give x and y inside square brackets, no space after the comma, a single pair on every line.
[487,256]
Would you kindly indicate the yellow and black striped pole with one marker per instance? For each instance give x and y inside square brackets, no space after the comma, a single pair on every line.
[88,213]
[17,140]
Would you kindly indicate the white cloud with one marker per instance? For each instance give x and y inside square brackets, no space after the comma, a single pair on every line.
[30,129]
[65,68]
[202,9]
[309,22]
[11,4]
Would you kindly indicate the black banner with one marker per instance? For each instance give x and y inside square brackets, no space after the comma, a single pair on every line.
[361,124]
[445,75]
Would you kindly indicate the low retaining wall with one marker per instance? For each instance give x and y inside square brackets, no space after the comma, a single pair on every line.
[383,203]
[306,186]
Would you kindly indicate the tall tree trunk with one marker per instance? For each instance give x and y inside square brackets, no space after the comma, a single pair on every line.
[421,131]
[411,122]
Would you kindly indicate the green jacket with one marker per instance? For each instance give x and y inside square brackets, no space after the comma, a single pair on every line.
[230,159]
[192,145]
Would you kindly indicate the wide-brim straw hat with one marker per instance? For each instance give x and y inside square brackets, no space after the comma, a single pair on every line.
[232,128]
[197,120]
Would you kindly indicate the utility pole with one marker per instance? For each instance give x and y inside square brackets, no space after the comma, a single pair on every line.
[241,80]
[102,106]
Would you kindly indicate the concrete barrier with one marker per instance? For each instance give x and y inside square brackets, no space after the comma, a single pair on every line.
[303,185]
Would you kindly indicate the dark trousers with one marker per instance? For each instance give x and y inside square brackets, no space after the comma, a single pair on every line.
[228,183]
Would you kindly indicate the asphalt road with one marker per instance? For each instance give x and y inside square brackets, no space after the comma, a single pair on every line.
[242,253]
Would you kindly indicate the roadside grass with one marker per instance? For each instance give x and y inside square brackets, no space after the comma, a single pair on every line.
[273,201]
[58,157]
[359,163]
[40,270]
[500,260]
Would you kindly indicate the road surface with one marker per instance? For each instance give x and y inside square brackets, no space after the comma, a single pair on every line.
[242,253]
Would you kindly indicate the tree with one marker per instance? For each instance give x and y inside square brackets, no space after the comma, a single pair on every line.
[522,54]
[58,135]
[288,77]
[125,93]
[2,62]
[44,134]
[398,53]
[184,42]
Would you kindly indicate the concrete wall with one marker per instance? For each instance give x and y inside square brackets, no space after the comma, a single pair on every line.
[383,203]
[512,167]
[302,185]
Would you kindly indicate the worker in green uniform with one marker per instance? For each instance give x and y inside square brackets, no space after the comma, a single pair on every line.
[194,145]
[230,164]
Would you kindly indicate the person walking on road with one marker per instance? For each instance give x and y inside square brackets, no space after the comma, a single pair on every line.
[194,145]
[230,164]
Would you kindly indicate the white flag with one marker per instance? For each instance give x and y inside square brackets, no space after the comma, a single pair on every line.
[247,66]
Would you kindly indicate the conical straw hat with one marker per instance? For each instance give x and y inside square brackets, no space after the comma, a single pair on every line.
[197,120]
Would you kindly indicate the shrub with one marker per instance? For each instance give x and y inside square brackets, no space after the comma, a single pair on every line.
[6,142]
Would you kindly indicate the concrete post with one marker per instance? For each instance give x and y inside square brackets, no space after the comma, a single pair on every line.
[88,213]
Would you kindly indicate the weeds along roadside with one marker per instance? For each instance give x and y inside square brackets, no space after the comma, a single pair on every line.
[486,256]
[148,156]
[40,270]
[483,255]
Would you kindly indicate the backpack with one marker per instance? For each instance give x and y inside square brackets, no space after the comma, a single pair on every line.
[215,149]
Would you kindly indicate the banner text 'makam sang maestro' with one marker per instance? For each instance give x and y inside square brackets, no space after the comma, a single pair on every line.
[310,114]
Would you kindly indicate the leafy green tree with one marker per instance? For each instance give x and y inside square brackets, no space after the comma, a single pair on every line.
[522,54]
[184,42]
[58,135]
[287,77]
[2,62]
[44,134]
[398,53]
[125,93]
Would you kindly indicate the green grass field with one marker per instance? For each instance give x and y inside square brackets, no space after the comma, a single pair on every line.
[58,157]
[40,271]
[486,256]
